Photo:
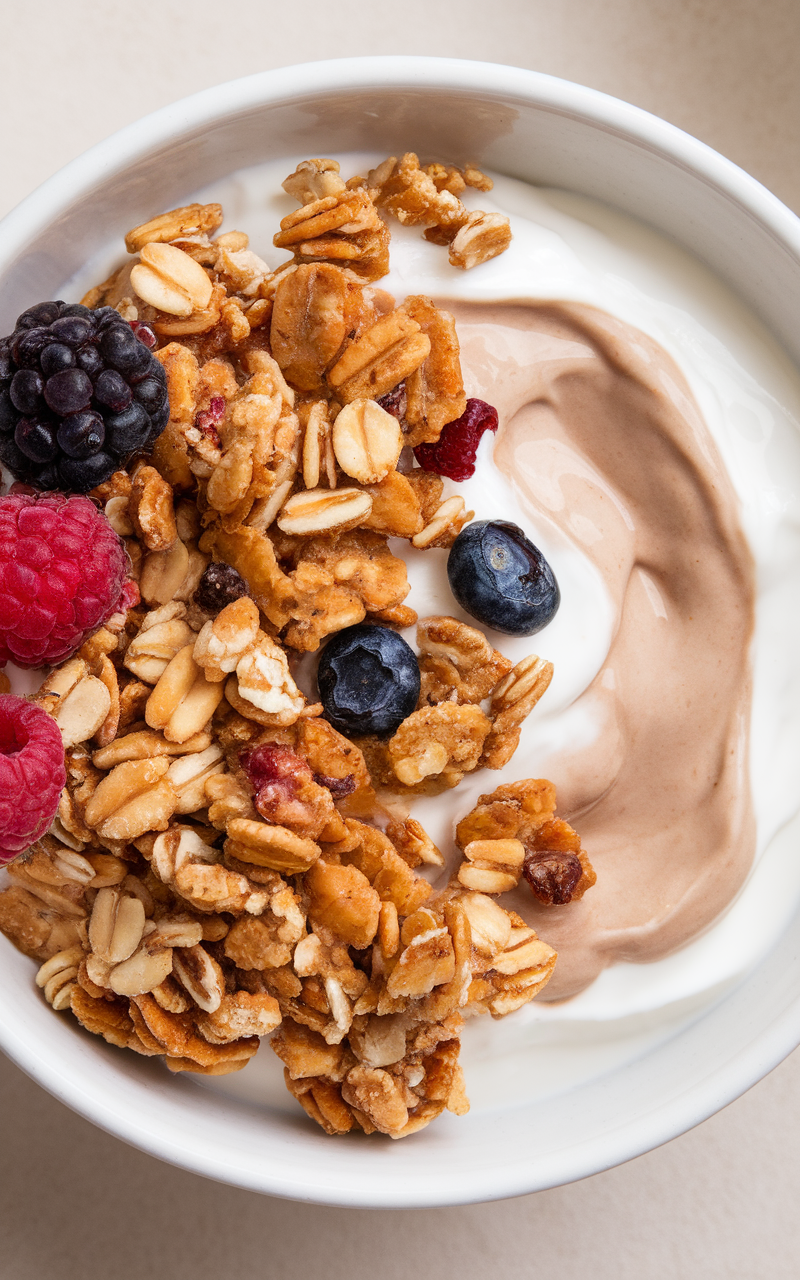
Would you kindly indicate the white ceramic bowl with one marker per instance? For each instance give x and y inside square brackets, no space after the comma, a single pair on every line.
[541,130]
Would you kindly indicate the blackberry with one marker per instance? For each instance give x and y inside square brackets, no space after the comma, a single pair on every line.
[80,393]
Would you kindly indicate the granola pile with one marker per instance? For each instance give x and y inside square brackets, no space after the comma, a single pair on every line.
[225,864]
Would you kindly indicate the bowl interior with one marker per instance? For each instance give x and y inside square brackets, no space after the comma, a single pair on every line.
[549,133]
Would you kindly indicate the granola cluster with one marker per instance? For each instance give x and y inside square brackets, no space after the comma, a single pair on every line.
[224,864]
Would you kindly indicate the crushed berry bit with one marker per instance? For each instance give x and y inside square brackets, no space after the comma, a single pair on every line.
[219,585]
[454,453]
[208,420]
[338,787]
[129,598]
[553,875]
[395,401]
[271,765]
[276,774]
[144,333]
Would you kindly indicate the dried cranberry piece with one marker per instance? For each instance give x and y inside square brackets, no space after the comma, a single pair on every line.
[454,453]
[553,875]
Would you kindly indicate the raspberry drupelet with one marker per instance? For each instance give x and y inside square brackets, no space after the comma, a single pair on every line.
[32,774]
[62,574]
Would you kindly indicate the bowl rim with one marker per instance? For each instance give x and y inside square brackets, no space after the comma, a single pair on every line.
[720,1086]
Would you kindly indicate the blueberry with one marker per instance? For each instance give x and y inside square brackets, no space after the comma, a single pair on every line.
[26,391]
[68,391]
[81,434]
[499,577]
[368,680]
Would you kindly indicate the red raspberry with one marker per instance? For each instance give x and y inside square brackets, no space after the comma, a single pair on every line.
[32,774]
[62,573]
[455,451]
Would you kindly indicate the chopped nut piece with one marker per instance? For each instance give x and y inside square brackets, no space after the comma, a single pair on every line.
[226,638]
[150,652]
[150,510]
[435,391]
[314,180]
[183,701]
[316,310]
[263,682]
[133,798]
[342,899]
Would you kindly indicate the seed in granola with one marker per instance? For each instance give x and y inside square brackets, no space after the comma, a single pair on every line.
[502,579]
[368,680]
[219,586]
[553,875]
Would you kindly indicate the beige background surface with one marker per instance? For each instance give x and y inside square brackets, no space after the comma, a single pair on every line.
[718,1202]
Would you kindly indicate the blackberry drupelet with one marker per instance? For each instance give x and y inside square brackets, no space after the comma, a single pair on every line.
[80,393]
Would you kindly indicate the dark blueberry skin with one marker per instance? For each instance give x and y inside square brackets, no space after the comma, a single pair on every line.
[368,680]
[499,577]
